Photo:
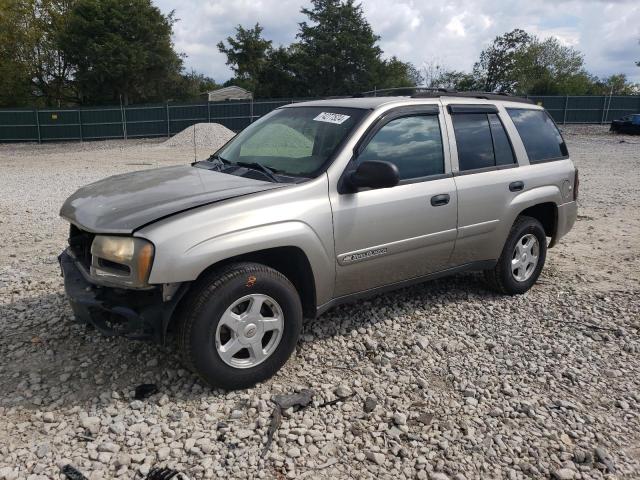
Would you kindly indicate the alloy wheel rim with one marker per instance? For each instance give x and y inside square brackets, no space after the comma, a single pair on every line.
[249,331]
[525,257]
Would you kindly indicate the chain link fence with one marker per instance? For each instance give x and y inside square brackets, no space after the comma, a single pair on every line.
[167,119]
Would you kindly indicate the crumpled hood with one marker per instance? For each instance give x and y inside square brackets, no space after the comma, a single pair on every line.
[123,203]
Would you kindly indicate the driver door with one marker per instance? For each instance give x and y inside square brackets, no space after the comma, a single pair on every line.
[389,235]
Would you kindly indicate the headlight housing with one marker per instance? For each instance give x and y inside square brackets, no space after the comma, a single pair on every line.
[122,261]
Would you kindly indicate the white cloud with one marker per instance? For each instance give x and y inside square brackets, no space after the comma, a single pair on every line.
[451,33]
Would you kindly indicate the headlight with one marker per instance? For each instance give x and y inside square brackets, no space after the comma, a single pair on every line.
[122,261]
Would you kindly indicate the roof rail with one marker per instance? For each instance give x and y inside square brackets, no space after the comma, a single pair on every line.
[429,92]
[506,97]
[386,91]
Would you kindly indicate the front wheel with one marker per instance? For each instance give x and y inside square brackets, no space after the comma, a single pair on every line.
[522,258]
[240,325]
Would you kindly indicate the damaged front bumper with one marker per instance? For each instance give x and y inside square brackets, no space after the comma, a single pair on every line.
[136,314]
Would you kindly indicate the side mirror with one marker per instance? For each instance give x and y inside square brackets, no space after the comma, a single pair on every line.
[374,174]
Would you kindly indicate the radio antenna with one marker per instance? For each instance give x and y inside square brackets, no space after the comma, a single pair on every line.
[195,148]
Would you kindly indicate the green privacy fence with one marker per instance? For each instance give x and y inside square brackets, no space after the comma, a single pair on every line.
[588,109]
[166,119]
[123,122]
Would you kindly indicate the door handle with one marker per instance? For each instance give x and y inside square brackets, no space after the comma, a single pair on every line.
[516,186]
[439,200]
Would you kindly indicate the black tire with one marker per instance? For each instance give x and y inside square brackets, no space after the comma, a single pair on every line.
[501,278]
[209,300]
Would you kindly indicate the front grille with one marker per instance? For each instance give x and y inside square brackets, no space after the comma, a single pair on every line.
[80,245]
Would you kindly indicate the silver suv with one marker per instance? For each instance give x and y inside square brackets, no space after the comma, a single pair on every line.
[316,204]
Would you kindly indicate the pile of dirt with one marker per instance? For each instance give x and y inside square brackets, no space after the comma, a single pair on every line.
[209,135]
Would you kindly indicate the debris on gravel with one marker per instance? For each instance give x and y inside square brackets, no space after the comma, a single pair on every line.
[445,380]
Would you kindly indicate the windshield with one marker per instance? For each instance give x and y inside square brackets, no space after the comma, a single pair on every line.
[294,141]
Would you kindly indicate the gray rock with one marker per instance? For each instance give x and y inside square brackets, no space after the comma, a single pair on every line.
[163,453]
[118,428]
[370,404]
[399,418]
[375,457]
[43,450]
[122,460]
[564,474]
[293,452]
[108,447]
[343,391]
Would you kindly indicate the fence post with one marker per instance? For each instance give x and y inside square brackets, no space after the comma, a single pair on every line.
[208,111]
[80,123]
[566,105]
[123,120]
[38,124]
[604,105]
[168,122]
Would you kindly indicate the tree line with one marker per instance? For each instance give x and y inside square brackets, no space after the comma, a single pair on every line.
[89,52]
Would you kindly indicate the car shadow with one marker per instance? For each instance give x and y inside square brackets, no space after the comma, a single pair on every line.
[51,361]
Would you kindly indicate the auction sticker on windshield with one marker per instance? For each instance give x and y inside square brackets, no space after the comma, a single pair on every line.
[329,117]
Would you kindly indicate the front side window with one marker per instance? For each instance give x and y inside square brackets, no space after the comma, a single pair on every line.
[412,143]
[539,134]
[295,141]
[482,141]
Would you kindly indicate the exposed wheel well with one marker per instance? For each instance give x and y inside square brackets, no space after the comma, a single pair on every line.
[292,263]
[547,214]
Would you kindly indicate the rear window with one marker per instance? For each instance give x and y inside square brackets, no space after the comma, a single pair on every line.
[540,136]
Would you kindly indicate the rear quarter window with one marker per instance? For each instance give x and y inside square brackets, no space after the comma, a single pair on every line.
[541,138]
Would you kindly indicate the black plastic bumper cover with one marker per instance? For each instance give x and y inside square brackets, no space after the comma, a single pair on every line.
[137,314]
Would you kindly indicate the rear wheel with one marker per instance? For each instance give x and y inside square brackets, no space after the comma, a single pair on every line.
[522,258]
[240,325]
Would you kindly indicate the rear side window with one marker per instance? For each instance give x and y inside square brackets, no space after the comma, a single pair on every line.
[412,143]
[481,141]
[539,134]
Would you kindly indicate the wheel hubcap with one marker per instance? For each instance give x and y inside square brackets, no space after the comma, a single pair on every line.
[249,331]
[525,257]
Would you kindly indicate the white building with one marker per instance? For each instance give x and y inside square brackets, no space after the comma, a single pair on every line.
[229,93]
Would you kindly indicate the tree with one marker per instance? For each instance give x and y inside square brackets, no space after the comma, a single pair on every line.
[497,68]
[120,49]
[337,52]
[396,73]
[14,72]
[32,67]
[438,76]
[279,77]
[191,86]
[247,54]
[546,67]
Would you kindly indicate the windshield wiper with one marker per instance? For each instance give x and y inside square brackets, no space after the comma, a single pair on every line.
[261,168]
[218,157]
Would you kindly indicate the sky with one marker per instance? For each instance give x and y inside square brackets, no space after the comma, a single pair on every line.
[424,32]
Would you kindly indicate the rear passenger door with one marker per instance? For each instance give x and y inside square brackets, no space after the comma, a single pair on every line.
[487,176]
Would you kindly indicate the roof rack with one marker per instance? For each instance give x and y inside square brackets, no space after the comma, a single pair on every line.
[428,92]
[505,97]
[387,91]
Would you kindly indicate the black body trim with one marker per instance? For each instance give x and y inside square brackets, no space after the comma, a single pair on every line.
[485,169]
[352,297]
[454,108]
[135,314]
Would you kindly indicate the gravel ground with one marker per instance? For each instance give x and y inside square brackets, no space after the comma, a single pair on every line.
[446,380]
